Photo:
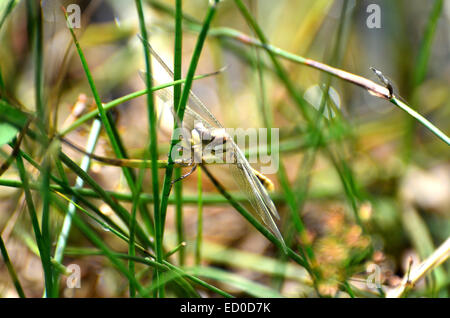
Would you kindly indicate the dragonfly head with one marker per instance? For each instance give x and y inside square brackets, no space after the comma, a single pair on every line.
[202,131]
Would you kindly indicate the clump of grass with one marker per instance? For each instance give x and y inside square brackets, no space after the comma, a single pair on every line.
[148,257]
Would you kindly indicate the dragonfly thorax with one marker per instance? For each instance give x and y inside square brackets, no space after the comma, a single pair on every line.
[215,136]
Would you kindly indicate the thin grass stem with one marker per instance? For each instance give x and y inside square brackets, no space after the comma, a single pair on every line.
[199,238]
[178,187]
[67,223]
[11,270]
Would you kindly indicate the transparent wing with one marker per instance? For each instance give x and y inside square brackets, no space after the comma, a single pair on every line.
[254,190]
[247,181]
[194,102]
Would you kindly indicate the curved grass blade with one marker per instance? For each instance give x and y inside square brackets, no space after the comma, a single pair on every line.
[248,286]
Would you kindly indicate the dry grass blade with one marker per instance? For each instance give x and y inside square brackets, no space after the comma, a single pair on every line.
[439,256]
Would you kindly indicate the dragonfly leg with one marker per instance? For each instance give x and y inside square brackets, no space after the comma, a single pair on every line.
[186,175]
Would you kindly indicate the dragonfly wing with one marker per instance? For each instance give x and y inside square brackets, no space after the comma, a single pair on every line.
[242,171]
[255,192]
[245,178]
[193,102]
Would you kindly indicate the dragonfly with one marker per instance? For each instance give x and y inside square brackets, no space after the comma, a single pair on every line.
[203,125]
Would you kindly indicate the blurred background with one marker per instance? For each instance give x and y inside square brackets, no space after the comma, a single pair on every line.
[373,194]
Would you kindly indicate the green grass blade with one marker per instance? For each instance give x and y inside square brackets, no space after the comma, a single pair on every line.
[250,218]
[170,10]
[46,265]
[153,141]
[184,98]
[105,226]
[132,226]
[67,223]
[436,131]
[108,124]
[163,267]
[301,105]
[198,281]
[208,199]
[42,121]
[78,194]
[11,270]
[417,78]
[97,241]
[178,187]
[6,11]
[119,151]
[199,239]
[178,50]
[423,57]
[108,106]
[120,210]
[167,185]
[236,281]
[278,67]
